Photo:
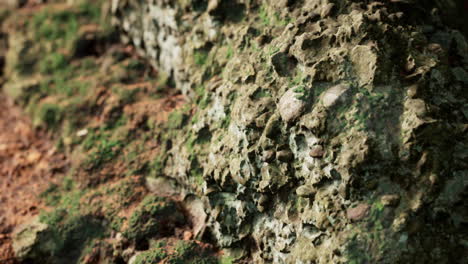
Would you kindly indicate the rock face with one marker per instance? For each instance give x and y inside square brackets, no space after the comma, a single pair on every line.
[384,91]
[26,237]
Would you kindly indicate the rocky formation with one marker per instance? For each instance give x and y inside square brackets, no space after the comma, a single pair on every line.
[325,131]
[314,131]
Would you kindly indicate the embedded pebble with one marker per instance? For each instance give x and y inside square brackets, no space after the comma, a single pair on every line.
[330,96]
[317,152]
[290,107]
[358,213]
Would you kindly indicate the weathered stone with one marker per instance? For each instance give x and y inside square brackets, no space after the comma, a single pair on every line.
[345,53]
[162,186]
[290,106]
[26,237]
[365,63]
[198,216]
[331,96]
[317,152]
[357,213]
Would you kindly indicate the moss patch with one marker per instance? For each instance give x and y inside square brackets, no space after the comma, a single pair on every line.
[155,216]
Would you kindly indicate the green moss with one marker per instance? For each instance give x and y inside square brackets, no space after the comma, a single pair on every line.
[53,25]
[126,96]
[264,17]
[105,152]
[301,93]
[70,231]
[200,91]
[272,50]
[91,10]
[269,20]
[69,235]
[60,27]
[136,65]
[116,223]
[151,256]
[176,119]
[49,115]
[91,138]
[53,62]
[229,52]
[53,218]
[190,143]
[226,121]
[196,171]
[147,220]
[371,238]
[112,124]
[203,98]
[200,57]
[51,195]
[158,166]
[189,252]
[124,191]
[182,252]
[261,93]
[226,260]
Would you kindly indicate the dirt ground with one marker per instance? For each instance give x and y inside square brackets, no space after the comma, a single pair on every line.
[29,163]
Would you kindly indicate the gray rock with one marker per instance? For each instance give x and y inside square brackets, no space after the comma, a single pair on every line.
[162,186]
[195,208]
[290,107]
[26,236]
[332,95]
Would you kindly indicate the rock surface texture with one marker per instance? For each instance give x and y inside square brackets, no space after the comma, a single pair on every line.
[379,87]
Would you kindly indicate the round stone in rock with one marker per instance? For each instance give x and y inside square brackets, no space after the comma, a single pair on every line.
[331,96]
[358,213]
[317,152]
[290,107]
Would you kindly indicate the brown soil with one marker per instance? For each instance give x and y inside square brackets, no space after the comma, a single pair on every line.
[29,163]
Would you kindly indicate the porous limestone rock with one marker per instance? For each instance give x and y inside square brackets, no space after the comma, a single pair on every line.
[378,86]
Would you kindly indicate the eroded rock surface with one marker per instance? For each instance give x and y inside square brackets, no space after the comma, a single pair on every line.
[380,88]
[311,131]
